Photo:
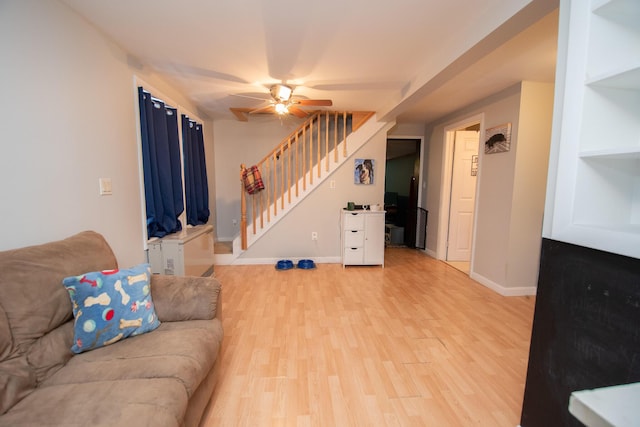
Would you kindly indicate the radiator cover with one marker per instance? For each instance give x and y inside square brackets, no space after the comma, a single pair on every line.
[188,253]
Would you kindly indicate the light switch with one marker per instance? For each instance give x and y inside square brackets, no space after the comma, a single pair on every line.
[105,186]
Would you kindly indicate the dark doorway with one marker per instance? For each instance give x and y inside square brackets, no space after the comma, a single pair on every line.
[402,179]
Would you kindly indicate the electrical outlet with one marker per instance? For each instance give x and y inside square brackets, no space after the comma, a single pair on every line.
[332,183]
[314,235]
[235,222]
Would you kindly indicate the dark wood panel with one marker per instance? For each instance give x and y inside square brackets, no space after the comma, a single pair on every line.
[586,330]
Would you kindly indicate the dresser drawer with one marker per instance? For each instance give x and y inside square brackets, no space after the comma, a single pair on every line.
[353,221]
[354,238]
[353,256]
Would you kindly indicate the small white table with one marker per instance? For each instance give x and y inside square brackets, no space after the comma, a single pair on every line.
[617,406]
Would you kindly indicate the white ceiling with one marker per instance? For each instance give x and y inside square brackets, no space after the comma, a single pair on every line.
[413,60]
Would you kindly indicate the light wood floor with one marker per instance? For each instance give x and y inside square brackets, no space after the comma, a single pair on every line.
[417,343]
[460,265]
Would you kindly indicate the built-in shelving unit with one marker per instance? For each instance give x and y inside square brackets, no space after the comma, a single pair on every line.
[597,186]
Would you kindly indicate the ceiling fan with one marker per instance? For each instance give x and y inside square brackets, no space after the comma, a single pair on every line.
[282,102]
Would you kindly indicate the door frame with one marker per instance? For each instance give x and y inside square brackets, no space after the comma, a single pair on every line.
[445,188]
[421,179]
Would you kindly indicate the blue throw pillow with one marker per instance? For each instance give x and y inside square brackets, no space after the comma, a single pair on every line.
[110,305]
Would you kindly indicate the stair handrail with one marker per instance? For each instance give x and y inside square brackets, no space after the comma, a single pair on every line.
[270,191]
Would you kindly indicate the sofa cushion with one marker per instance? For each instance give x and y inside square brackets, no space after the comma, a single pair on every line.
[184,351]
[17,380]
[195,299]
[34,303]
[30,290]
[135,402]
[6,339]
[51,352]
[110,305]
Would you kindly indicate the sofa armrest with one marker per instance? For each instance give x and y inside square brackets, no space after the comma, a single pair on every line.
[178,298]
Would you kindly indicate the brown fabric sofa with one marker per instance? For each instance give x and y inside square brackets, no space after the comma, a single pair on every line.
[161,378]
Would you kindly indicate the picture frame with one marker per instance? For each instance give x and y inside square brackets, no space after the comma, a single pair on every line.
[474,165]
[498,139]
[363,171]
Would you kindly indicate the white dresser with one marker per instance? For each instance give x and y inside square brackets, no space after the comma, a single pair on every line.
[362,237]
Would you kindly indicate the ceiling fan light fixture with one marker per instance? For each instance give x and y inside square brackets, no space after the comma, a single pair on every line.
[281,108]
[281,93]
[282,103]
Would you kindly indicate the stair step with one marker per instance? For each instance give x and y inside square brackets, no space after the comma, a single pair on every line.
[223,247]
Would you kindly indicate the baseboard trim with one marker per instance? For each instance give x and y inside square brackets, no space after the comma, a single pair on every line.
[502,290]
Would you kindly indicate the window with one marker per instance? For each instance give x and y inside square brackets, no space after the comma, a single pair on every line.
[163,162]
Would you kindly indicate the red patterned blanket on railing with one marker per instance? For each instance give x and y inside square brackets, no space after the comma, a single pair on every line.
[252,179]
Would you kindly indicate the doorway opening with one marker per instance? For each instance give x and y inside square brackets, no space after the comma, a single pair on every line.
[460,173]
[403,193]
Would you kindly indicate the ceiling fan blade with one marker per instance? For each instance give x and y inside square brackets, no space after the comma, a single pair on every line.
[240,113]
[298,112]
[265,109]
[315,102]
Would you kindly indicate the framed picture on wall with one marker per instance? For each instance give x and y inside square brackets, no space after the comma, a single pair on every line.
[363,171]
[498,139]
[474,165]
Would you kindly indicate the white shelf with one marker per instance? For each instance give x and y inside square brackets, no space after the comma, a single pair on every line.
[621,153]
[613,42]
[616,228]
[607,406]
[618,240]
[616,8]
[610,119]
[607,194]
[625,77]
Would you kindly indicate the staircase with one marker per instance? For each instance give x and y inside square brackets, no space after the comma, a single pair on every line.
[295,167]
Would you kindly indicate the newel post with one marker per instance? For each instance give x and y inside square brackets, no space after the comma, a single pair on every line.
[243,210]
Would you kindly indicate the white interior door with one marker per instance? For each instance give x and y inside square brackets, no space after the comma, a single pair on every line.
[463,192]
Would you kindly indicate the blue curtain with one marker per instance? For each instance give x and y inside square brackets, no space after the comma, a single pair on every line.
[161,164]
[195,172]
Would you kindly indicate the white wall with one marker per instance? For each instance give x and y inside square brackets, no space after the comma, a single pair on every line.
[241,142]
[532,160]
[407,129]
[495,195]
[67,119]
[511,186]
[497,109]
